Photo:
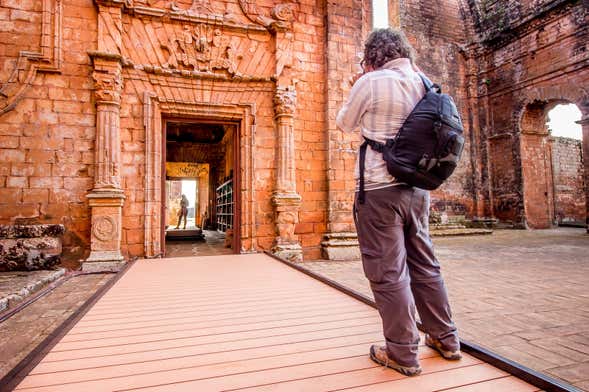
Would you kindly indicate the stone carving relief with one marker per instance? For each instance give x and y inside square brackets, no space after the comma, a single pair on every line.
[285,100]
[285,224]
[197,7]
[108,86]
[104,228]
[201,48]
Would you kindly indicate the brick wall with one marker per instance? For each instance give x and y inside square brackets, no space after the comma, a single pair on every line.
[527,53]
[347,28]
[437,34]
[567,163]
[47,140]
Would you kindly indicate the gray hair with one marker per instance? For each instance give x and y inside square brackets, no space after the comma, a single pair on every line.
[384,45]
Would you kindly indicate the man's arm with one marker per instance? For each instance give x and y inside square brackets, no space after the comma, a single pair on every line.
[357,104]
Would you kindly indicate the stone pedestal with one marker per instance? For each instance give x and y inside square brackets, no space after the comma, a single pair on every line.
[105,242]
[340,246]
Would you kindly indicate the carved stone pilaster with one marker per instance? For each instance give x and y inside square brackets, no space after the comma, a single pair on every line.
[585,124]
[107,198]
[285,198]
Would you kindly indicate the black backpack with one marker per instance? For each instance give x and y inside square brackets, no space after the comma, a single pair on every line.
[427,148]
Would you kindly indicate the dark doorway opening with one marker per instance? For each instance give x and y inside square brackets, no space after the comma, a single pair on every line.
[201,197]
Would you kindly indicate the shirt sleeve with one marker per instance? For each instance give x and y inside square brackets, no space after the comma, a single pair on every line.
[357,104]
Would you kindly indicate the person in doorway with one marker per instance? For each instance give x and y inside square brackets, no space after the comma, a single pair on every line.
[392,223]
[183,213]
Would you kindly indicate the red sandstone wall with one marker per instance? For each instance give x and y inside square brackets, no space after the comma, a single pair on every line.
[310,137]
[310,120]
[568,171]
[47,140]
[347,27]
[437,33]
[529,53]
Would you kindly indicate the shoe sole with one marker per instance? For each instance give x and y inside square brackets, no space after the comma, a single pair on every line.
[395,366]
[451,357]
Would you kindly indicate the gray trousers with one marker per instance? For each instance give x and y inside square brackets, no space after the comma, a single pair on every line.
[398,260]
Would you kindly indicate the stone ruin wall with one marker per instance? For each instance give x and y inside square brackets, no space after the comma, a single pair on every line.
[529,55]
[569,184]
[47,138]
[439,35]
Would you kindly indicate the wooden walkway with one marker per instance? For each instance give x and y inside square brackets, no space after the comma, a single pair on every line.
[229,323]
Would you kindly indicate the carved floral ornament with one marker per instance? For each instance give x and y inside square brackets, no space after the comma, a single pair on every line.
[285,100]
[201,48]
[108,86]
[105,228]
[279,18]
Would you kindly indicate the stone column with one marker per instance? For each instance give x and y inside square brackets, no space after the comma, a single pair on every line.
[585,124]
[106,198]
[285,198]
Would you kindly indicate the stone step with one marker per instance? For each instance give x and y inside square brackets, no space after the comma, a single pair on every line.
[16,286]
[459,232]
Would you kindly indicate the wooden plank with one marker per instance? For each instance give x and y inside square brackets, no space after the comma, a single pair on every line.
[436,381]
[200,336]
[207,344]
[348,379]
[507,383]
[263,327]
[220,327]
[240,319]
[210,357]
[220,313]
[215,377]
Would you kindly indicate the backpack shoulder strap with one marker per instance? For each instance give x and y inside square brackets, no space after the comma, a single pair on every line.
[428,83]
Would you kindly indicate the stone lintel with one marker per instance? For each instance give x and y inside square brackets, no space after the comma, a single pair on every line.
[97,55]
[286,199]
[107,198]
[341,246]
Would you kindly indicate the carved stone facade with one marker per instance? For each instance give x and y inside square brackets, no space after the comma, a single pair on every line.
[86,88]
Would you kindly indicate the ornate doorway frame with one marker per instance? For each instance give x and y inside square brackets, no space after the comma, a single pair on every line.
[156,111]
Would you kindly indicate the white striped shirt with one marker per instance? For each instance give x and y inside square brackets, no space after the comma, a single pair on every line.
[378,104]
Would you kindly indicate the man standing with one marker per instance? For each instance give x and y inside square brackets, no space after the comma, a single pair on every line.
[183,213]
[392,223]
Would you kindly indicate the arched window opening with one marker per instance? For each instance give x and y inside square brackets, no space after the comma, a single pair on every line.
[562,121]
[380,14]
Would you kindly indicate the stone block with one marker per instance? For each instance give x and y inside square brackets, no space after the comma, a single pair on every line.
[29,254]
[340,246]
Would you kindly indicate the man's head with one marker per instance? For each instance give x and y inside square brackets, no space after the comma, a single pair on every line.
[384,45]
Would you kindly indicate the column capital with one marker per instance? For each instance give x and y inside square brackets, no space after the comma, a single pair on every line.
[285,101]
[108,86]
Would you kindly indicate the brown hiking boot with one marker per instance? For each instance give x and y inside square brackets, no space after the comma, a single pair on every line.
[437,345]
[379,355]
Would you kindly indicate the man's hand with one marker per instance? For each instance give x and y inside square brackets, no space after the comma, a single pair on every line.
[354,79]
